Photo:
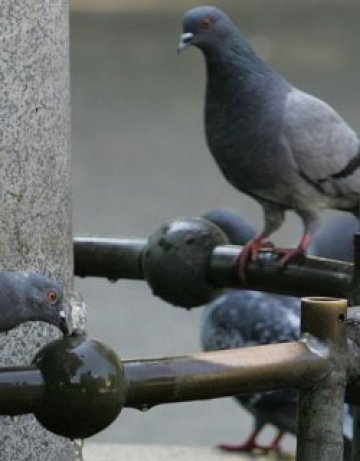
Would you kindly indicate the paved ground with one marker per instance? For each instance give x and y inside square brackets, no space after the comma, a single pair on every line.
[140,159]
[104,452]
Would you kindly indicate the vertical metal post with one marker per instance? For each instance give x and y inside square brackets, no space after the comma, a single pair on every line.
[35,209]
[355,300]
[355,450]
[320,413]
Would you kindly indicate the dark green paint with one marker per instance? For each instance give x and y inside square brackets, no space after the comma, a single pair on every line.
[84,386]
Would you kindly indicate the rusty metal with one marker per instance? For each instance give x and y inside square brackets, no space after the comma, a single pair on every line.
[320,408]
[120,259]
[222,373]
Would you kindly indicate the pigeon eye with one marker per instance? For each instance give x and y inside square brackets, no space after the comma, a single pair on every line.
[52,296]
[205,23]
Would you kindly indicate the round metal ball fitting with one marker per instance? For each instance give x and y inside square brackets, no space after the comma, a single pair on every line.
[84,386]
[176,261]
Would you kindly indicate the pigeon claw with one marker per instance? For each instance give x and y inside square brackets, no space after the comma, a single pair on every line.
[248,446]
[250,252]
[251,445]
[289,254]
[245,447]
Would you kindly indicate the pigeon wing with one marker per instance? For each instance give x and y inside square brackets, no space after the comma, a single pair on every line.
[324,147]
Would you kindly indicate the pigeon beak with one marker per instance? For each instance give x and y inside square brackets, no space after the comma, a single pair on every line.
[185,41]
[64,324]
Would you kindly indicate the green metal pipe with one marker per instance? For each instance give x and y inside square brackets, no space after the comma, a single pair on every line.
[170,379]
[356,445]
[21,390]
[210,375]
[355,300]
[322,276]
[121,259]
[108,257]
[153,381]
[320,408]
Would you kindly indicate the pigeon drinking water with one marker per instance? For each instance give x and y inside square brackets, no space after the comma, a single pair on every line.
[283,147]
[27,296]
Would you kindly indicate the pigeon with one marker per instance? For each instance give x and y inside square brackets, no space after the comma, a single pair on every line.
[335,238]
[285,148]
[30,296]
[241,318]
[236,227]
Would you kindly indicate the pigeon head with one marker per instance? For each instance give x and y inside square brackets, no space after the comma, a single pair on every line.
[207,27]
[43,300]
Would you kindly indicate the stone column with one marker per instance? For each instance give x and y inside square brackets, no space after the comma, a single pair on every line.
[35,205]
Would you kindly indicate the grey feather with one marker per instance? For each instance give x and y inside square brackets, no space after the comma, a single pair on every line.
[335,238]
[322,145]
[248,318]
[27,296]
[236,227]
[285,148]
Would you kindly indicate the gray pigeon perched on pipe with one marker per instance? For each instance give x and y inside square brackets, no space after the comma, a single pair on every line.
[241,318]
[27,296]
[334,240]
[283,147]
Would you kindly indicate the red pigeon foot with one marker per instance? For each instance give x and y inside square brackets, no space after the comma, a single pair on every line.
[250,252]
[251,444]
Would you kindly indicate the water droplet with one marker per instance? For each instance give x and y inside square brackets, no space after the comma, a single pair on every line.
[144,407]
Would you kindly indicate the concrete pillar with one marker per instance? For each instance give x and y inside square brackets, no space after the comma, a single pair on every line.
[35,196]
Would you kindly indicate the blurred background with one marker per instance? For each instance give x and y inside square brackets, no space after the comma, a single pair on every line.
[140,159]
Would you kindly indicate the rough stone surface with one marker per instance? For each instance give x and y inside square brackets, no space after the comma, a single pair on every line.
[35,212]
